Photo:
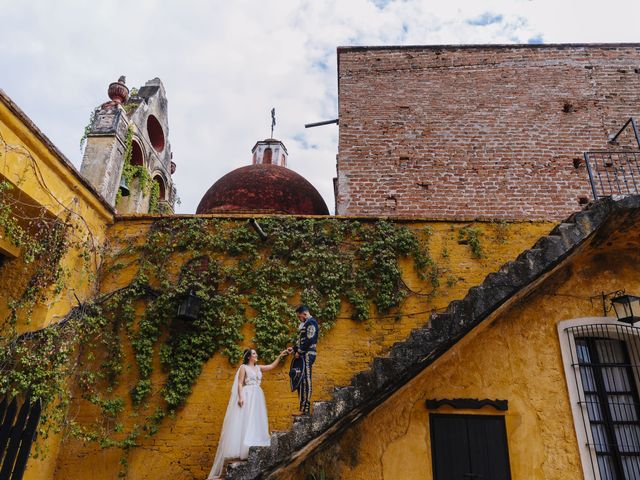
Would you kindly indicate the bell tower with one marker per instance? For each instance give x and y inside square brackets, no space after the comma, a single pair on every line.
[128,157]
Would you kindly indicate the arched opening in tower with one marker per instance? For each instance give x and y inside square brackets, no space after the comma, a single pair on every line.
[162,190]
[137,157]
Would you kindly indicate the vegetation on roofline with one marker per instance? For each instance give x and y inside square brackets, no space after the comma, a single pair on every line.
[87,128]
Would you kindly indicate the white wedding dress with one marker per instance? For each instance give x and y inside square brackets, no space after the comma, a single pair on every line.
[245,426]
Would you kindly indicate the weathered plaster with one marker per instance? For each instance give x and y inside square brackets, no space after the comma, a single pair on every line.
[516,356]
[44,178]
[185,446]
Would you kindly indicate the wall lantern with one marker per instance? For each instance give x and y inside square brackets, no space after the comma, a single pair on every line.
[256,226]
[124,189]
[627,308]
[189,306]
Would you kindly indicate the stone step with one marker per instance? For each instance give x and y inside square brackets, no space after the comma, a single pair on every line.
[297,417]
[458,318]
[227,462]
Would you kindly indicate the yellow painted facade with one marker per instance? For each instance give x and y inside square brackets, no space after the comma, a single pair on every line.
[43,178]
[514,355]
[185,445]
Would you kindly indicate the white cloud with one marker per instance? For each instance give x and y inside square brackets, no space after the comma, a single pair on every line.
[226,64]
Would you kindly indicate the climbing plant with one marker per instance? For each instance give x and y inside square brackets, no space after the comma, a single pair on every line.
[33,362]
[131,172]
[87,128]
[154,197]
[501,229]
[44,240]
[470,235]
[325,263]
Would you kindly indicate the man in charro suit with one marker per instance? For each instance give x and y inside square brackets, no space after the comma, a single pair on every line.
[305,355]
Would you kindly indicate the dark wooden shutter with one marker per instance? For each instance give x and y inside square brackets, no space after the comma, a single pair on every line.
[449,446]
[469,447]
[16,435]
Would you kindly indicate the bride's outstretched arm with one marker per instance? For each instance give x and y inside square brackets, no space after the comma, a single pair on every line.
[240,385]
[274,364]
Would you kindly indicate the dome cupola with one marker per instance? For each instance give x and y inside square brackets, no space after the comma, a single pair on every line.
[266,186]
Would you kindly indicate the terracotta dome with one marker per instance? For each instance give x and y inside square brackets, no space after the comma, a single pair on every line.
[263,188]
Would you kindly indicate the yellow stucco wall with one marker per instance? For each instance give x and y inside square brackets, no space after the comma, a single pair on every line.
[516,356]
[185,445]
[42,179]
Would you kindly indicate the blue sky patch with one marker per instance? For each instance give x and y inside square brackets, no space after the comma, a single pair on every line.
[485,19]
[321,65]
[300,138]
[381,3]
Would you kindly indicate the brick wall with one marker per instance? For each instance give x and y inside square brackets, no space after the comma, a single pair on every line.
[477,131]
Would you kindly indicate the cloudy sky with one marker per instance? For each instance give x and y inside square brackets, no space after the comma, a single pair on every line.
[225,64]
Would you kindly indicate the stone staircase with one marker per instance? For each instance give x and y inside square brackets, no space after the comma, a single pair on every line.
[423,346]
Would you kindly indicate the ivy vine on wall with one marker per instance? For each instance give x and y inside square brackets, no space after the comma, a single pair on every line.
[87,128]
[154,197]
[131,172]
[324,263]
[32,362]
[470,235]
[44,241]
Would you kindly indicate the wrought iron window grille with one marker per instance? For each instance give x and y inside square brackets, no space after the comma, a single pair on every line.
[605,360]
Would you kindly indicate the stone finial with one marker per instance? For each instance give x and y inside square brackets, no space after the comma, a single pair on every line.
[118,92]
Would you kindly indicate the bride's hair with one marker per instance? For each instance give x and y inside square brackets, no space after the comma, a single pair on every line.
[246,355]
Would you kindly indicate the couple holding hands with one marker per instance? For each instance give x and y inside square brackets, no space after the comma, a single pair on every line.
[246,423]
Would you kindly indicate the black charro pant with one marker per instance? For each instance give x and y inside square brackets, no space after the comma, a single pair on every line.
[305,386]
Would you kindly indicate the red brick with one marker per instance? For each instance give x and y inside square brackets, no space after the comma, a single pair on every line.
[492,130]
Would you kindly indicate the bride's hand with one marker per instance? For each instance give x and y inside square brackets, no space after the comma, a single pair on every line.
[284,353]
[240,402]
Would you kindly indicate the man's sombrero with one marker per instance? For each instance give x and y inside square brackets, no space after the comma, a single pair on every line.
[295,372]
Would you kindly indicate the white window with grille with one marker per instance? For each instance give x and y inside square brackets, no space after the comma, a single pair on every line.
[602,365]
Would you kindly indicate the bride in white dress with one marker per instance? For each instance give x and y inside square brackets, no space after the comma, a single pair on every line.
[245,423]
